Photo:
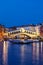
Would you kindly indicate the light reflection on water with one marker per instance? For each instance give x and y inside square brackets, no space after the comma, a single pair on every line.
[21,54]
[5,53]
[35,53]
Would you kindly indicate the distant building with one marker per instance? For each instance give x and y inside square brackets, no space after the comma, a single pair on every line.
[41,31]
[12,28]
[32,28]
[27,27]
[2,30]
[37,28]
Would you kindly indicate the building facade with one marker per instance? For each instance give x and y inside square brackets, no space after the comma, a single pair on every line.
[41,31]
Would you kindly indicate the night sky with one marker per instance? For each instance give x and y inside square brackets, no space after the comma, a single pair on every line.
[21,12]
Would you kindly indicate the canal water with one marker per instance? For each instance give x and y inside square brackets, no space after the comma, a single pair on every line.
[21,54]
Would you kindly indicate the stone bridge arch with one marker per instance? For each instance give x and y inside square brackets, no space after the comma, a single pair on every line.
[21,35]
[32,35]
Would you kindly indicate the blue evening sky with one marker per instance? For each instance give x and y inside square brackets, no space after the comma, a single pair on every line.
[20,12]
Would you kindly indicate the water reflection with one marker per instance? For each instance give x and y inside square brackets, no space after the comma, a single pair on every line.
[18,54]
[5,53]
[22,54]
[37,52]
[26,54]
[41,47]
[1,53]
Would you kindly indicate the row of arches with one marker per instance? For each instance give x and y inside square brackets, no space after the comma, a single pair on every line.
[26,31]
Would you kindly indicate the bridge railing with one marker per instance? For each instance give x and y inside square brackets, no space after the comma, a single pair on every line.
[18,31]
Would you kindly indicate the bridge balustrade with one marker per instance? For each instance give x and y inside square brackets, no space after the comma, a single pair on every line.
[30,32]
[26,31]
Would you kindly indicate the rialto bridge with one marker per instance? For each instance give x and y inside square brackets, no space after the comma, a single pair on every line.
[21,33]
